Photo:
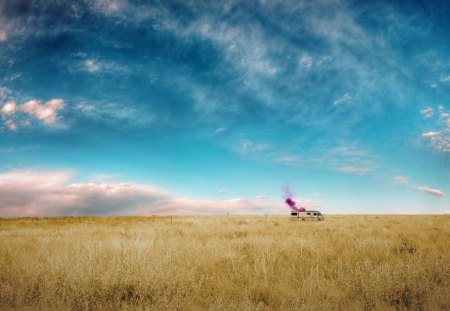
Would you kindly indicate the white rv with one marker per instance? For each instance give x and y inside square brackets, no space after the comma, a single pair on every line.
[306,215]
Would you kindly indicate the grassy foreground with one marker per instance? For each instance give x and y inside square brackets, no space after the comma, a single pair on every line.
[225,263]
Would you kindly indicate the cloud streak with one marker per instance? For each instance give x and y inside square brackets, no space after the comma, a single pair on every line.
[341,100]
[431,191]
[344,159]
[404,181]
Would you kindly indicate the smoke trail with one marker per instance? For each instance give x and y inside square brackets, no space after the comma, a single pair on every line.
[291,204]
[289,201]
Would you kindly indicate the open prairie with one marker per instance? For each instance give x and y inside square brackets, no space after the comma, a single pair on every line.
[225,263]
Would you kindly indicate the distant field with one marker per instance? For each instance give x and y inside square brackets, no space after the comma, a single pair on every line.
[225,263]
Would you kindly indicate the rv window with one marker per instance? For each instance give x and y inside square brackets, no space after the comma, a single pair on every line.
[315,214]
[293,214]
[308,214]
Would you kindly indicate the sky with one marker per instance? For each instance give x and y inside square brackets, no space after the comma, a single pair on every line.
[124,107]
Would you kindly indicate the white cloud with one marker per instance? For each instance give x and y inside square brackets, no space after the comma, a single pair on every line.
[306,61]
[341,100]
[9,108]
[433,86]
[91,66]
[430,134]
[442,113]
[440,143]
[427,112]
[445,79]
[43,193]
[47,113]
[440,139]
[431,191]
[222,191]
[3,36]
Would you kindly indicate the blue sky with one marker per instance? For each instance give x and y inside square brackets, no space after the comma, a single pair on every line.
[115,107]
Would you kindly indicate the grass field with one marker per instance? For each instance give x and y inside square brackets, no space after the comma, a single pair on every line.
[225,263]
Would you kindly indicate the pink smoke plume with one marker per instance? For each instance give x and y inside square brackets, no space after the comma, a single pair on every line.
[289,201]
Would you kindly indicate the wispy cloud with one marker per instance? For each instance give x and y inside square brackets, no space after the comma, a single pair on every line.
[427,112]
[4,92]
[220,130]
[353,169]
[85,108]
[404,181]
[91,66]
[344,159]
[122,9]
[305,61]
[247,146]
[95,66]
[341,100]
[442,113]
[352,160]
[116,114]
[401,180]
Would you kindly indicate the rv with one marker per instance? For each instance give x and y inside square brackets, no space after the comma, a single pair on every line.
[306,215]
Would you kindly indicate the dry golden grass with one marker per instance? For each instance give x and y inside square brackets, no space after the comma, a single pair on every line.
[225,263]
